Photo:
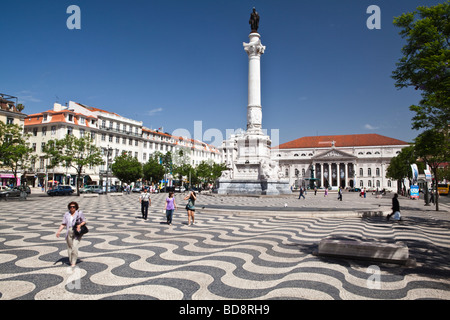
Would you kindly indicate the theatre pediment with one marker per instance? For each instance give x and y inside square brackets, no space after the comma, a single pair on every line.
[333,154]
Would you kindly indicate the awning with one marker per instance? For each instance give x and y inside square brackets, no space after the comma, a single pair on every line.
[94,177]
[6,175]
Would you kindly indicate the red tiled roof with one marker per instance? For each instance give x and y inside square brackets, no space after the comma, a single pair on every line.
[351,140]
[56,117]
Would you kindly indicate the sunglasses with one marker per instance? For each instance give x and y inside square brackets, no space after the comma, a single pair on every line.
[73,207]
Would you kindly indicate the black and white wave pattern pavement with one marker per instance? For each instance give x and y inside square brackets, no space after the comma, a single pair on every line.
[222,256]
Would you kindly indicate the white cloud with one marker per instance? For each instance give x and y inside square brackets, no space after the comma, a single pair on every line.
[25,96]
[154,111]
[370,127]
[28,99]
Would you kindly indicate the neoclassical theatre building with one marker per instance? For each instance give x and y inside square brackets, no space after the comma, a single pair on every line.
[357,160]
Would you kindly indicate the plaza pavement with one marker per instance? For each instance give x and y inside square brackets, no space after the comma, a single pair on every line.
[240,248]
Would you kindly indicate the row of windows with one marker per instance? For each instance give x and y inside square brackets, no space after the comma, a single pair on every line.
[124,126]
[361,172]
[110,137]
[369,172]
[377,184]
[359,153]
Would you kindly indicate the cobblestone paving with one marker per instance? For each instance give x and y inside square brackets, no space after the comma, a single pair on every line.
[227,254]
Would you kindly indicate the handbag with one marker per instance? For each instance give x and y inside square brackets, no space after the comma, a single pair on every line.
[189,205]
[83,230]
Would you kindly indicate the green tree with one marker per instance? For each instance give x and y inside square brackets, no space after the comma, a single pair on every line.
[15,152]
[127,168]
[400,166]
[425,64]
[433,147]
[20,107]
[74,152]
[209,171]
[153,169]
[444,173]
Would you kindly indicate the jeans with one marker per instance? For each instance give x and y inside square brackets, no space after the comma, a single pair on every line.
[144,209]
[169,214]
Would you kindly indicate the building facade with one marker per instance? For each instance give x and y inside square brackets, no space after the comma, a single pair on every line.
[10,114]
[347,161]
[111,132]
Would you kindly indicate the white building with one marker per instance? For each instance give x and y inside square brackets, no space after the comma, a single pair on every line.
[9,114]
[358,160]
[110,131]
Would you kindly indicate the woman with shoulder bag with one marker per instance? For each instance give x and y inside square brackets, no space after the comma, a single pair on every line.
[190,207]
[75,221]
[170,207]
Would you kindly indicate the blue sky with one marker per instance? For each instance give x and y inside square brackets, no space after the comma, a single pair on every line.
[170,63]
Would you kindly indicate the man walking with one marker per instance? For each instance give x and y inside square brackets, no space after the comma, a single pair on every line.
[145,201]
[301,194]
[340,194]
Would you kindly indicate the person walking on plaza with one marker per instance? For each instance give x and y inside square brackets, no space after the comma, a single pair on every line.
[340,193]
[190,207]
[395,208]
[145,201]
[71,218]
[326,192]
[170,207]
[301,193]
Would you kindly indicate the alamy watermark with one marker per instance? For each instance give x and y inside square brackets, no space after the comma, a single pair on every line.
[215,136]
[73,281]
[74,21]
[374,21]
[374,280]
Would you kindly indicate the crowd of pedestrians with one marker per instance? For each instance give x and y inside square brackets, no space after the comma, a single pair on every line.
[74,220]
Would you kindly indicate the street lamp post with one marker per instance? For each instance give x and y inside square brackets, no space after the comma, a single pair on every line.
[108,153]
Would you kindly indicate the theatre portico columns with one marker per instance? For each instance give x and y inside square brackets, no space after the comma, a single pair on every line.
[334,168]
[331,168]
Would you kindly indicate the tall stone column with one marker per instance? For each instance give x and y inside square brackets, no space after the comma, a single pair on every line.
[254,50]
[321,175]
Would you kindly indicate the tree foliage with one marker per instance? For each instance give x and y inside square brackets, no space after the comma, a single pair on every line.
[209,171]
[433,147]
[74,152]
[127,168]
[15,152]
[425,64]
[153,169]
[400,166]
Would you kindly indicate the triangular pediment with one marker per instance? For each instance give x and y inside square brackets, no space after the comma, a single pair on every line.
[333,154]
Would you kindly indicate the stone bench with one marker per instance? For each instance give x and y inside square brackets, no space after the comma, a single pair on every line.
[356,249]
[90,195]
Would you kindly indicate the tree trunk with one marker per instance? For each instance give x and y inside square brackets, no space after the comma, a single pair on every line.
[436,187]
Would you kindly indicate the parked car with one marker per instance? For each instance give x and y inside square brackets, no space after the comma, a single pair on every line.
[60,191]
[114,189]
[92,189]
[136,189]
[180,189]
[8,192]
